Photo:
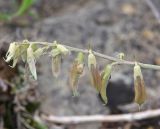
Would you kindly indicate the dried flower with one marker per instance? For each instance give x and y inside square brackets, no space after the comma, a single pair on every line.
[55,52]
[62,49]
[140,92]
[75,72]
[39,52]
[105,76]
[31,61]
[13,54]
[121,56]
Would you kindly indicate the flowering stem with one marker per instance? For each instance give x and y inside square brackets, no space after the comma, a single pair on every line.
[114,59]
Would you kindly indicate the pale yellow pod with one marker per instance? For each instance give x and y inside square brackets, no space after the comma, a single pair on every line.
[139,85]
[105,80]
[31,62]
[75,73]
[56,65]
[96,80]
[74,78]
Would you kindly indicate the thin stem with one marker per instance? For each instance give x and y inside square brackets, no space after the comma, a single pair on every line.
[119,61]
[154,9]
[130,117]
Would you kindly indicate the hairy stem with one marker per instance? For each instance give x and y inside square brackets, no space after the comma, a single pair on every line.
[114,59]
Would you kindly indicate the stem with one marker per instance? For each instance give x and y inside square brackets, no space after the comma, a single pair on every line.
[130,117]
[117,60]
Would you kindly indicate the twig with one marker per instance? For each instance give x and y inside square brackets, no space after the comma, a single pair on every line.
[130,117]
[85,51]
[154,9]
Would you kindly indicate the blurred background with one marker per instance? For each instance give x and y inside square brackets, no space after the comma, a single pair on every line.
[111,27]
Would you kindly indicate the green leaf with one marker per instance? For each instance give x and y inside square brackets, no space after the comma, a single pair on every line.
[23,7]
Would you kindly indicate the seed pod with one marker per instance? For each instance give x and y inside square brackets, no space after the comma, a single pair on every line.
[96,78]
[56,65]
[105,80]
[140,92]
[75,73]
[80,57]
[56,61]
[91,60]
[95,75]
[31,62]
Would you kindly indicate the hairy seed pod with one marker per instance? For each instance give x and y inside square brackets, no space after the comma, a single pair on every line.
[91,60]
[96,78]
[139,85]
[75,72]
[31,62]
[105,80]
[95,75]
[56,65]
[57,52]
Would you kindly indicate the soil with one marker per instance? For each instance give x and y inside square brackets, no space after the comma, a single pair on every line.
[110,26]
